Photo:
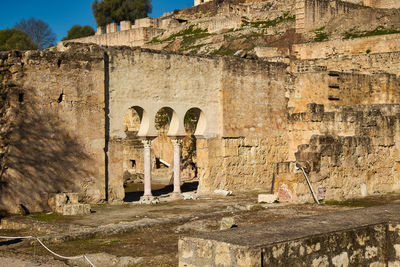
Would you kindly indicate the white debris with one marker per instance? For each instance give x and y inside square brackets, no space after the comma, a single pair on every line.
[223,192]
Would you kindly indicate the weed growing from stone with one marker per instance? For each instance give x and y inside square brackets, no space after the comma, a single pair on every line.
[352,34]
[320,35]
[270,23]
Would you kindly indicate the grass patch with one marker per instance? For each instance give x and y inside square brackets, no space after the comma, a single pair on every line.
[270,23]
[44,217]
[354,203]
[320,35]
[190,36]
[189,31]
[352,34]
[224,51]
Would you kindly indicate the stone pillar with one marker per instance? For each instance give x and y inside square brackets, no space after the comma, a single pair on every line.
[125,25]
[112,27]
[100,30]
[147,167]
[147,197]
[177,164]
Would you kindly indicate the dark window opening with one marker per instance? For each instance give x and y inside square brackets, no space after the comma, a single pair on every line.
[331,97]
[21,97]
[133,163]
[60,98]
[59,63]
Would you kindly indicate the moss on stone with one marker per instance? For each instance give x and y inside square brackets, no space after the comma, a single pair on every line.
[270,23]
[352,34]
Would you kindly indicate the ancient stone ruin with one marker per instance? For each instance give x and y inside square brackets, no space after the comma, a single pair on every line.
[82,117]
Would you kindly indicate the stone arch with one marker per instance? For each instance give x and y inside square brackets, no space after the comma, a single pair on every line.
[169,117]
[195,116]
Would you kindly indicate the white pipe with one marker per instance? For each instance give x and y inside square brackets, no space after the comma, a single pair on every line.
[309,184]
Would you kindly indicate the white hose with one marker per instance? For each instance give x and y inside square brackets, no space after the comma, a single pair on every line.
[49,250]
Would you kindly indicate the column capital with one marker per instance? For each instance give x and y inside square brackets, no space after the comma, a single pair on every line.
[177,141]
[146,142]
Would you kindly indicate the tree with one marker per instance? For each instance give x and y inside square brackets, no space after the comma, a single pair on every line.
[38,30]
[108,11]
[13,39]
[78,31]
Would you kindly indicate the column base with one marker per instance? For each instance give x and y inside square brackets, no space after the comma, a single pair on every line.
[149,200]
[176,196]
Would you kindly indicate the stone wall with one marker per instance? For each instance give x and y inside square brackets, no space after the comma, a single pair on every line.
[314,14]
[339,88]
[348,152]
[52,127]
[363,237]
[132,37]
[360,46]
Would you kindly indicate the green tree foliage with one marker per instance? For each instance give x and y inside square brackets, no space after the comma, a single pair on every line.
[108,11]
[78,31]
[38,30]
[13,39]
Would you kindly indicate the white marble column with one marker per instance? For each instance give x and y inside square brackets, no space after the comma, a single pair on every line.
[147,167]
[177,164]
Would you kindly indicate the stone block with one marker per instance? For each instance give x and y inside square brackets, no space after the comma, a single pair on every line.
[267,198]
[227,223]
[57,201]
[125,25]
[76,209]
[222,254]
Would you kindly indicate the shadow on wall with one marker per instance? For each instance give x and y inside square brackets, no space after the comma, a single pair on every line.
[43,157]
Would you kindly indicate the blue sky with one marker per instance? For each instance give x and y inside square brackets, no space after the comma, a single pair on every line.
[62,14]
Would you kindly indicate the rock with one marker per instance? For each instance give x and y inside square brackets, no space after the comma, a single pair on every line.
[22,210]
[227,223]
[149,200]
[222,192]
[187,196]
[267,198]
[240,53]
[76,209]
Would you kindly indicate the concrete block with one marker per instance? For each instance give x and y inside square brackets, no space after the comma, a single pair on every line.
[267,198]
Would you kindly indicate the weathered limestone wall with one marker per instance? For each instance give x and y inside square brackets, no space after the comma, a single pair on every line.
[254,123]
[313,14]
[154,80]
[338,88]
[348,152]
[52,127]
[362,237]
[372,45]
[199,2]
[132,37]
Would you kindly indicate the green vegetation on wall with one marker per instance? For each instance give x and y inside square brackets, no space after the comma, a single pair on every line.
[320,35]
[353,33]
[270,23]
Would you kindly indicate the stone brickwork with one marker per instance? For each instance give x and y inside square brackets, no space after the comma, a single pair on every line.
[363,237]
[314,14]
[52,130]
[349,152]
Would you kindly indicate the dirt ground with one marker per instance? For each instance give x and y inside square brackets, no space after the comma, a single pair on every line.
[152,243]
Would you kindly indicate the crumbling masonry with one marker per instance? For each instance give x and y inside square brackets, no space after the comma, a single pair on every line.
[332,107]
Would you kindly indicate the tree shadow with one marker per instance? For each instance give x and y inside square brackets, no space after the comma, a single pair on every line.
[135,196]
[44,156]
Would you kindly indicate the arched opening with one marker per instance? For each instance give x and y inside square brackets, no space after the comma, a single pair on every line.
[194,122]
[133,168]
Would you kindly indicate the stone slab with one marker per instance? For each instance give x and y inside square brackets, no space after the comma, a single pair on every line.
[267,198]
